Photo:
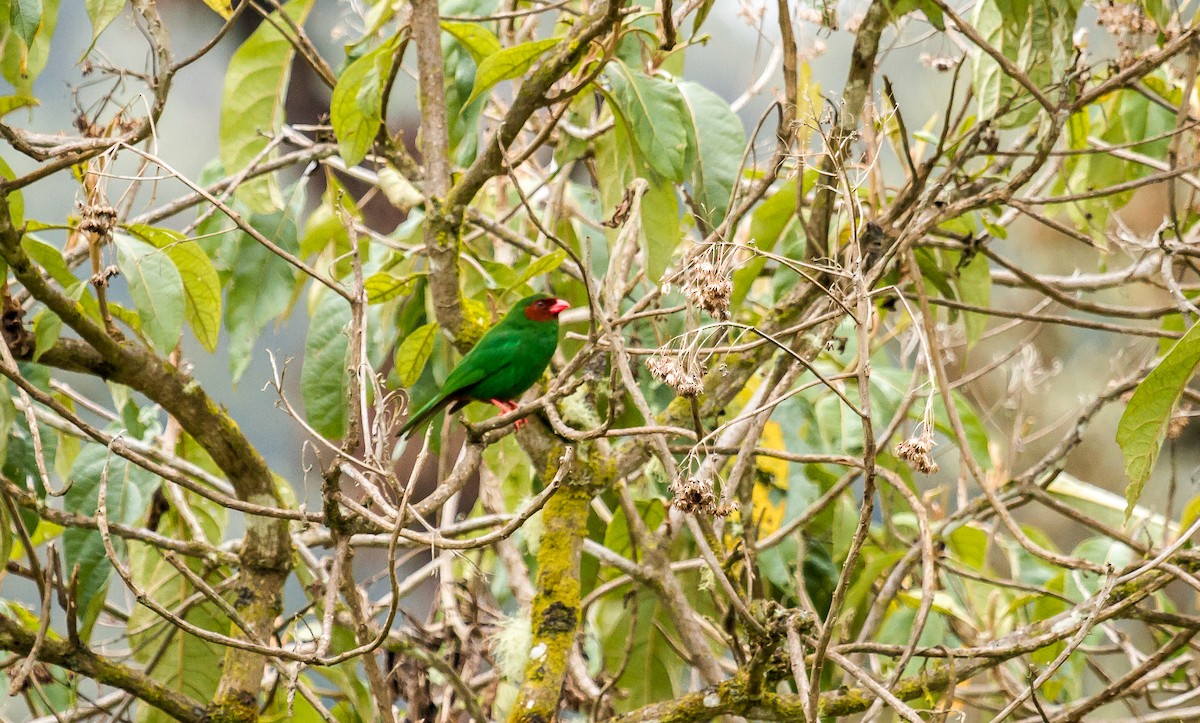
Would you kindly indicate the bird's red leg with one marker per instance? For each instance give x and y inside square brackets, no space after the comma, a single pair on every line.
[505,408]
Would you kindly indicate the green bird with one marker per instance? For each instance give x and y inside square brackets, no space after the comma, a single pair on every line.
[509,359]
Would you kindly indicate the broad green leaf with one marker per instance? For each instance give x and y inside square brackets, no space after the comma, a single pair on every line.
[1143,426]
[16,201]
[324,379]
[1159,10]
[542,265]
[715,147]
[7,531]
[259,288]
[616,535]
[102,13]
[1100,504]
[201,286]
[8,416]
[900,8]
[9,103]
[50,259]
[356,109]
[23,58]
[47,327]
[25,19]
[129,492]
[413,353]
[325,229]
[970,545]
[156,289]
[660,228]
[183,662]
[975,288]
[398,189]
[383,286]
[653,670]
[1036,38]
[654,110]
[20,461]
[507,64]
[252,103]
[475,37]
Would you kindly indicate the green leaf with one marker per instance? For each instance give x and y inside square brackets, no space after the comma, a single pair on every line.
[398,189]
[715,147]
[25,19]
[1037,38]
[156,288]
[7,532]
[541,265]
[182,662]
[50,259]
[16,201]
[900,8]
[356,109]
[102,13]
[476,38]
[129,491]
[507,64]
[47,327]
[8,415]
[201,286]
[660,228]
[383,286]
[325,228]
[1143,426]
[252,103]
[9,103]
[975,288]
[654,111]
[324,379]
[23,57]
[616,536]
[259,288]
[413,353]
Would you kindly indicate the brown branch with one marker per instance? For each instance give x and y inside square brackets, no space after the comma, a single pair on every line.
[82,660]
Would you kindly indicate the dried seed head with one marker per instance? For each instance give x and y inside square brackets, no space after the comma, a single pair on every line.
[1179,422]
[940,63]
[98,219]
[1127,24]
[684,377]
[915,451]
[709,287]
[694,494]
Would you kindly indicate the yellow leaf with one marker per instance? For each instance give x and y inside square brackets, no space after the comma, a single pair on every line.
[224,8]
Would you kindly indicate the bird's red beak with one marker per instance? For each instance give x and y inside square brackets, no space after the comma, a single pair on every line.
[559,306]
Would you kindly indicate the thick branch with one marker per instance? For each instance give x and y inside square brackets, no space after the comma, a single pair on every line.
[16,638]
[556,608]
[854,97]
[265,553]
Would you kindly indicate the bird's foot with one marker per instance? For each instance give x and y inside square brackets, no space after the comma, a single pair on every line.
[505,408]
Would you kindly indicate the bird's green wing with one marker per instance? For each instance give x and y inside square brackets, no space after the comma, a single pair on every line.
[498,349]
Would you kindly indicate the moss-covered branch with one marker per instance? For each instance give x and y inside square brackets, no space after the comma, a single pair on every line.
[854,97]
[81,660]
[555,613]
[446,214]
[266,550]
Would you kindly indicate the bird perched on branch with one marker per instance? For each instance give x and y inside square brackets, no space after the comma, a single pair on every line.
[509,359]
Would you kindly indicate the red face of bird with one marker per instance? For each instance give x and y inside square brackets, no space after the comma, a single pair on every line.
[546,309]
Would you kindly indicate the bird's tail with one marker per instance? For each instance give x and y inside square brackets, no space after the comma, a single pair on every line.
[432,407]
